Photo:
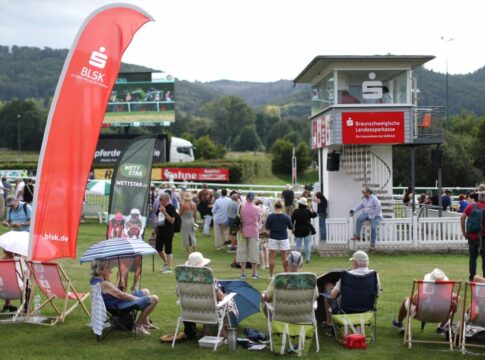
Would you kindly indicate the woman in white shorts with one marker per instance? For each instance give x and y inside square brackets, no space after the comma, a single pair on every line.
[278,224]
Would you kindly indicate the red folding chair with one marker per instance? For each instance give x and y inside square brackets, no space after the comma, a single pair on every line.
[54,283]
[12,287]
[435,303]
[476,312]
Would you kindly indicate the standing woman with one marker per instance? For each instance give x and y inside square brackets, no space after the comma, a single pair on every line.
[205,209]
[322,205]
[188,214]
[278,224]
[301,219]
[165,231]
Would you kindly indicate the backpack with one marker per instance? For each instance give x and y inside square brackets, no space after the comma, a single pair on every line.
[474,220]
[24,206]
[177,225]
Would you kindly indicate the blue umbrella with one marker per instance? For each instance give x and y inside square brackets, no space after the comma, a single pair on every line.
[247,300]
[117,247]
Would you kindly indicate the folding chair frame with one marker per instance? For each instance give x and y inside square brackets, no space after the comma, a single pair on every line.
[410,316]
[22,294]
[462,328]
[269,319]
[69,288]
[223,304]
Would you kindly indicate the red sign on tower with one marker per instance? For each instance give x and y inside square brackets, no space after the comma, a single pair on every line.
[373,127]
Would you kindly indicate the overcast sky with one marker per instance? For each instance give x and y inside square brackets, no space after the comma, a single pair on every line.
[265,40]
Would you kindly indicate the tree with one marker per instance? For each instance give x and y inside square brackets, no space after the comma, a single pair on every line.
[277,131]
[303,156]
[248,140]
[229,114]
[24,121]
[206,149]
[282,152]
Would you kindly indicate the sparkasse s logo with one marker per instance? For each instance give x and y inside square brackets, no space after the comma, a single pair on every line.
[372,90]
[98,58]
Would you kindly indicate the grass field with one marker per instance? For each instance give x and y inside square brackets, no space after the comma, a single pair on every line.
[74,339]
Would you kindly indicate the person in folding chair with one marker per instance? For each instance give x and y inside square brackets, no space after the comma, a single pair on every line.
[362,286]
[435,275]
[190,329]
[21,269]
[116,300]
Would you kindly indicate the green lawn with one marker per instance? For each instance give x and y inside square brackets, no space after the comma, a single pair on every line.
[74,339]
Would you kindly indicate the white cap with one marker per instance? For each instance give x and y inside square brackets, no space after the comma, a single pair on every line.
[303,201]
[436,275]
[360,257]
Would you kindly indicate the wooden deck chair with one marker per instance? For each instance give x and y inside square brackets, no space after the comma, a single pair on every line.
[198,301]
[54,283]
[293,303]
[426,123]
[476,312]
[12,287]
[358,304]
[435,301]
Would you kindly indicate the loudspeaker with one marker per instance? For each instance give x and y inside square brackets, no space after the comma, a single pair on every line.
[333,161]
[437,158]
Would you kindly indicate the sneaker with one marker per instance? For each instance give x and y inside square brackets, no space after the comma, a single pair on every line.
[243,276]
[441,330]
[255,276]
[398,325]
[168,270]
[271,277]
[151,325]
[355,238]
[162,270]
[308,261]
[140,329]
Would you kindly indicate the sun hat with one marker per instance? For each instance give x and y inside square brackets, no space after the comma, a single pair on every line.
[119,216]
[197,259]
[303,201]
[187,196]
[135,212]
[360,257]
[436,275]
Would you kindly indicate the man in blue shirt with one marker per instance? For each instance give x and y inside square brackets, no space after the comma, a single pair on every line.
[18,214]
[371,211]
[219,211]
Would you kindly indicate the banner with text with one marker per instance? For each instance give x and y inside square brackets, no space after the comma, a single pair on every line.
[373,127]
[195,174]
[129,189]
[73,126]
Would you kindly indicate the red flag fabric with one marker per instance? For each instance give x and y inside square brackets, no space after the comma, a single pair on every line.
[73,127]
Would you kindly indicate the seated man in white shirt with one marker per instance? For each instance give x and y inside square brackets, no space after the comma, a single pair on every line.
[371,210]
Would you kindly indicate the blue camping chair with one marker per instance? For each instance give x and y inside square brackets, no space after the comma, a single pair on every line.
[358,301]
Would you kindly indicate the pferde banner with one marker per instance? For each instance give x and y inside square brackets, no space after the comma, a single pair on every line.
[195,174]
[73,127]
[373,127]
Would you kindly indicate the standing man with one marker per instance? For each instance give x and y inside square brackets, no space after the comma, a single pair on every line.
[19,189]
[248,245]
[474,233]
[289,198]
[219,212]
[18,214]
[371,211]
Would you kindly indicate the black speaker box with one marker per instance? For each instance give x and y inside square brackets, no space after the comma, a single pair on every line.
[333,161]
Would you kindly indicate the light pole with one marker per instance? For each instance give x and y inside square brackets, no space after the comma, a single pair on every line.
[447,90]
[18,133]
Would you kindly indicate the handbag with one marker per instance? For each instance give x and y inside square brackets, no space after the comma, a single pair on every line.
[312,229]
[237,220]
[195,226]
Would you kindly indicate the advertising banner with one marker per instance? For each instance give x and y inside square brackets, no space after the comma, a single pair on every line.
[321,131]
[100,174]
[373,127]
[195,174]
[73,126]
[130,186]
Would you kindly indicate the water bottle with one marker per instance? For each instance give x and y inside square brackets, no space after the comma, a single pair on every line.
[36,305]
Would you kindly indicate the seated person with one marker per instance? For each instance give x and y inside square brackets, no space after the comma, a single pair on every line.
[190,329]
[21,269]
[347,98]
[294,263]
[360,267]
[435,275]
[115,299]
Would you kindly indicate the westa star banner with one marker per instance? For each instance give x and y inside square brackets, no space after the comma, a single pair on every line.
[73,127]
[130,186]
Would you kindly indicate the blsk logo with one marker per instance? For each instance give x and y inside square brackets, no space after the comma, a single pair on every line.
[372,90]
[98,58]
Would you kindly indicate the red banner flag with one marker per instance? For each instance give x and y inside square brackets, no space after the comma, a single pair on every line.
[73,127]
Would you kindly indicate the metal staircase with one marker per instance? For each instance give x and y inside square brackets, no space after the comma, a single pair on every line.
[369,170]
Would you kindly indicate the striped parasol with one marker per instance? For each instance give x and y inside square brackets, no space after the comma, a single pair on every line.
[117,247]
